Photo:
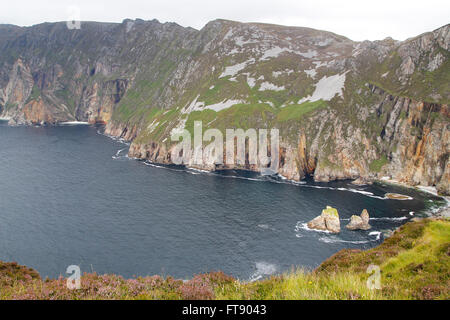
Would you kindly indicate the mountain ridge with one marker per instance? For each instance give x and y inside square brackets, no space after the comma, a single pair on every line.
[345,109]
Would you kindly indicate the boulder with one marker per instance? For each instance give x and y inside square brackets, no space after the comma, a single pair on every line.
[327,221]
[397,196]
[359,222]
[355,223]
[361,181]
[318,223]
[365,217]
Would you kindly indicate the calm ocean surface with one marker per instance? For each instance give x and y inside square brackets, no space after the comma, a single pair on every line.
[69,195]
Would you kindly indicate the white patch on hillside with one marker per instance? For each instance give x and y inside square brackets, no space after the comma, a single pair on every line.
[251,81]
[234,70]
[225,104]
[320,64]
[241,42]
[270,86]
[356,50]
[323,42]
[228,34]
[327,88]
[276,74]
[270,103]
[384,74]
[130,25]
[152,126]
[196,105]
[234,51]
[311,72]
[274,52]
[309,54]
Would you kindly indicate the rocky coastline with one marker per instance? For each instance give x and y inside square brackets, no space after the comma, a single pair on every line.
[362,111]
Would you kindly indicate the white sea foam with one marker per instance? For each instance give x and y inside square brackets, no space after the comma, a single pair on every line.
[263,269]
[117,155]
[241,177]
[366,193]
[431,190]
[377,234]
[120,140]
[381,218]
[361,192]
[390,218]
[304,226]
[198,170]
[289,181]
[150,164]
[74,123]
[336,240]
[284,180]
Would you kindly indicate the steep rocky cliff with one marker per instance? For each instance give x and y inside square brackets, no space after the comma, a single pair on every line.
[345,109]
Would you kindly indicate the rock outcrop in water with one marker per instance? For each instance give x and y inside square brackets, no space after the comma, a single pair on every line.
[359,222]
[327,221]
[345,109]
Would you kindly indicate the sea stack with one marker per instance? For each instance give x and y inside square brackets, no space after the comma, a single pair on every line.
[327,221]
[359,222]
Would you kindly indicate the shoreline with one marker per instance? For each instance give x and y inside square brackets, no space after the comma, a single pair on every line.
[72,123]
[426,189]
[421,188]
[393,182]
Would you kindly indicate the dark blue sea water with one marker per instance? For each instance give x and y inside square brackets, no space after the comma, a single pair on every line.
[69,195]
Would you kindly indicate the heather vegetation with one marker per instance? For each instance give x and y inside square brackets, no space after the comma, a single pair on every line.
[414,264]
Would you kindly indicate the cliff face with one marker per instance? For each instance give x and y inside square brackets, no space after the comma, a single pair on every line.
[412,145]
[344,109]
[50,74]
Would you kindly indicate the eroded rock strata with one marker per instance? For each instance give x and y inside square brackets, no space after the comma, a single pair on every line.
[345,109]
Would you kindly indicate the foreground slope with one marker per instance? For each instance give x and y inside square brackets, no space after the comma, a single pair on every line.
[414,264]
[345,109]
